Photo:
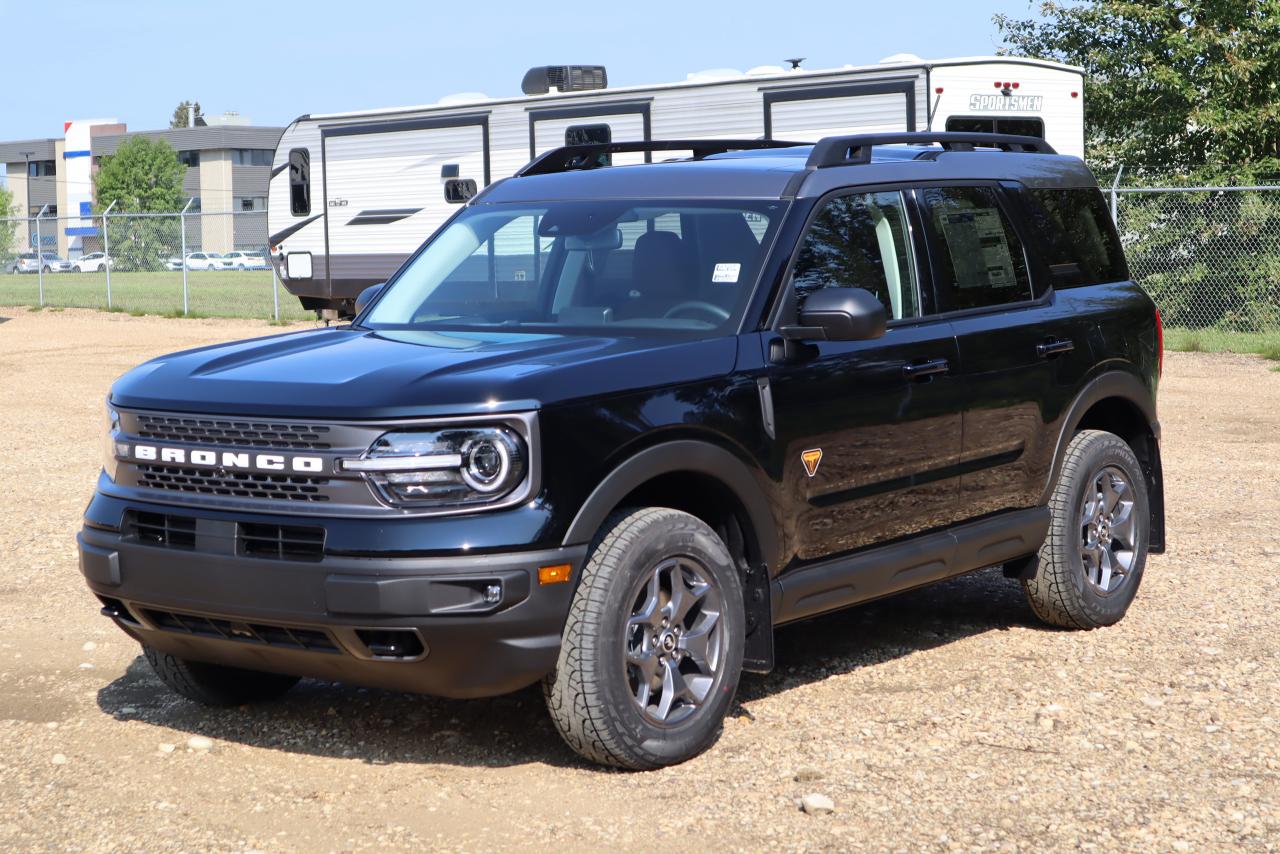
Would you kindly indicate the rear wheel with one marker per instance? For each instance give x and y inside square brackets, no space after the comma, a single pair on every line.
[652,650]
[214,684]
[1092,561]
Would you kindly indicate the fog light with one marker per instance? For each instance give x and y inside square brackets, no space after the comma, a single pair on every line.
[493,594]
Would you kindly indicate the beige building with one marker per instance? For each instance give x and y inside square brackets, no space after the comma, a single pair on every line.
[228,169]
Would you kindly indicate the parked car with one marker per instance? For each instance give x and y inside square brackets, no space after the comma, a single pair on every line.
[610,425]
[245,260]
[200,261]
[94,262]
[49,262]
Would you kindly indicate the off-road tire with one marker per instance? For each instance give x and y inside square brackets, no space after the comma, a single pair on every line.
[1059,594]
[589,697]
[214,684]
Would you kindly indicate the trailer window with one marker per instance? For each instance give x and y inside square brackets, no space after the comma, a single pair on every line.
[300,182]
[588,135]
[989,124]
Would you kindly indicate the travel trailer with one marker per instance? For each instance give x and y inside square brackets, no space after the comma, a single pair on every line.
[354,194]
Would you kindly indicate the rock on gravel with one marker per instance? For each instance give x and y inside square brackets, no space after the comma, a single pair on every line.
[817,804]
[200,742]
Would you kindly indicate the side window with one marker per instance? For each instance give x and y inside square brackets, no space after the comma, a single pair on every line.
[979,260]
[1080,237]
[300,182]
[860,241]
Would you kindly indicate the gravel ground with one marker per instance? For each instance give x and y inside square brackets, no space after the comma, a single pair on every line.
[941,719]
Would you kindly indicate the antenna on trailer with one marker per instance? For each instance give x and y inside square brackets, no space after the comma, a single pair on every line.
[795,63]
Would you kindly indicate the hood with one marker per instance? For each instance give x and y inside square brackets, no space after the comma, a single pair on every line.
[348,373]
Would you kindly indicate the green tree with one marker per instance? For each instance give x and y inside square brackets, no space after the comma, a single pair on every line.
[9,231]
[143,175]
[1186,87]
[183,112]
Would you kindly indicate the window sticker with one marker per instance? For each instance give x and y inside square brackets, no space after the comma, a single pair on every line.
[726,274]
[979,249]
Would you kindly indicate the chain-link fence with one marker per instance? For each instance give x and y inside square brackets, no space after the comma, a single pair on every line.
[189,263]
[1210,257]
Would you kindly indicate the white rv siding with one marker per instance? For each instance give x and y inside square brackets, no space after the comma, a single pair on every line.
[384,168]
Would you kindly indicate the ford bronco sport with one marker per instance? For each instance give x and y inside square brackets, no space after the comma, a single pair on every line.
[611,425]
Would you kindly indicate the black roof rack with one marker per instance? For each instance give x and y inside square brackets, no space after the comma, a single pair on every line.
[572,157]
[856,149]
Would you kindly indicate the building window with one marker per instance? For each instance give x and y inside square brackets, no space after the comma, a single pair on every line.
[250,203]
[42,168]
[251,156]
[189,158]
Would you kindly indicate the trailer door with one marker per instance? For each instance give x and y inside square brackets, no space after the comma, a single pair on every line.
[553,127]
[808,113]
[384,190]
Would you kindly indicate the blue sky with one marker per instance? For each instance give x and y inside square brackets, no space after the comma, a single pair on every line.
[272,60]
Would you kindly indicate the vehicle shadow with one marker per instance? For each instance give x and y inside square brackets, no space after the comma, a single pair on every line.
[379,727]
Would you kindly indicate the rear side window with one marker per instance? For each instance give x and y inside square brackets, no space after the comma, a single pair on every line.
[860,241]
[1080,237]
[300,182]
[979,260]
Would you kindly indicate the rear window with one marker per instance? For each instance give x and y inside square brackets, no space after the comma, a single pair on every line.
[1081,239]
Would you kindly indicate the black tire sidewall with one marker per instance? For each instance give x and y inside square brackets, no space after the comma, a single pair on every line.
[1098,608]
[669,537]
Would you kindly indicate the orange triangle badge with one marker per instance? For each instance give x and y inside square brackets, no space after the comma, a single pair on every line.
[811,459]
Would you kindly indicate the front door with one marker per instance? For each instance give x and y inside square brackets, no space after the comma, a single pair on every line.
[870,431]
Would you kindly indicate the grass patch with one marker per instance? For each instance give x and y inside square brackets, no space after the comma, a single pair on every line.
[1217,341]
[210,293]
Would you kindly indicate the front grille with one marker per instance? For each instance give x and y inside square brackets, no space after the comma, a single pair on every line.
[281,542]
[279,487]
[162,529]
[285,637]
[234,432]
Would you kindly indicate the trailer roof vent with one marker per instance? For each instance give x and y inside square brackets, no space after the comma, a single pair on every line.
[900,59]
[564,78]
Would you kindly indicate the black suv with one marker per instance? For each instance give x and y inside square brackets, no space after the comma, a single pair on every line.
[612,424]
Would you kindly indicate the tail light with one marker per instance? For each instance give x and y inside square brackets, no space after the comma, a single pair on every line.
[1160,340]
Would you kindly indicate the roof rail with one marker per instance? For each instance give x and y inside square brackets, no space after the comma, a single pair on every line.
[856,149]
[572,157]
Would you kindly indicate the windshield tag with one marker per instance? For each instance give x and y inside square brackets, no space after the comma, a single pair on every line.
[726,273]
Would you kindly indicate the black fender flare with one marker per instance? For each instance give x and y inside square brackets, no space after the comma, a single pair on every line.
[683,455]
[1126,386]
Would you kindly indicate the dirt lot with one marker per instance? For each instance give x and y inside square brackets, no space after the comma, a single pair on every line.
[945,718]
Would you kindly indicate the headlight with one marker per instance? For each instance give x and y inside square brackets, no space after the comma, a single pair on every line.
[460,466]
[109,462]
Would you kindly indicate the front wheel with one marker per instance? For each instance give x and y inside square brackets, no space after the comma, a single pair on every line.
[1091,563]
[652,650]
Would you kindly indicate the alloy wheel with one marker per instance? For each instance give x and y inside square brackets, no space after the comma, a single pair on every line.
[675,640]
[1108,530]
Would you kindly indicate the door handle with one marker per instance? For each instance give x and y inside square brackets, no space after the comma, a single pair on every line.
[923,370]
[1055,347]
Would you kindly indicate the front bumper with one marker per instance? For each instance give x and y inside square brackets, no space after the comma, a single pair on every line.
[454,626]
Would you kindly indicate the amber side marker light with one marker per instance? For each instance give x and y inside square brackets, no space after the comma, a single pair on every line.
[557,574]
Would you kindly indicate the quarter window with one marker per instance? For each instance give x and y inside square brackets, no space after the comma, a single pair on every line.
[979,260]
[1080,237]
[860,241]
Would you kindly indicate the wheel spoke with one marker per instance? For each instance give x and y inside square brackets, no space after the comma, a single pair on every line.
[697,643]
[673,689]
[1104,564]
[650,613]
[683,596]
[1112,489]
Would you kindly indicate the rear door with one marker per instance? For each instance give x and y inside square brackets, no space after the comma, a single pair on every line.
[1022,352]
[869,430]
[384,189]
[552,127]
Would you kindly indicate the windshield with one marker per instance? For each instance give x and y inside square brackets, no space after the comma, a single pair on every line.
[625,267]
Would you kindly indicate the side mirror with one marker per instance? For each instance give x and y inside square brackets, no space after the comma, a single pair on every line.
[367,296]
[839,314]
